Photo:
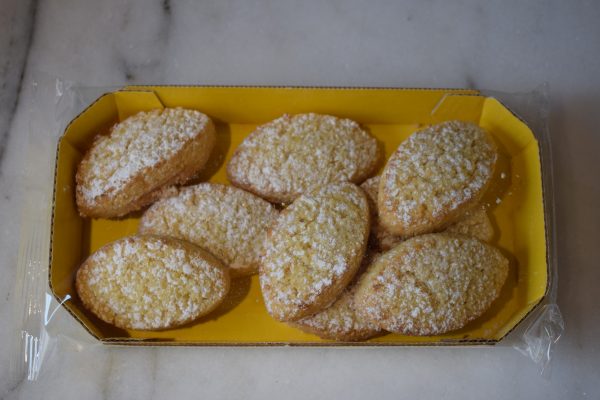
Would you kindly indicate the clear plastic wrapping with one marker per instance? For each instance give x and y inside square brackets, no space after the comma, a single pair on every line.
[44,328]
[538,334]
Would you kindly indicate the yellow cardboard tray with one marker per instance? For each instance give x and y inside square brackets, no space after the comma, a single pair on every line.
[515,200]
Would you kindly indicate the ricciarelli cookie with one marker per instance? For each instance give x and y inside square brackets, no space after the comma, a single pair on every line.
[287,157]
[151,282]
[314,250]
[475,222]
[228,222]
[434,177]
[141,159]
[431,284]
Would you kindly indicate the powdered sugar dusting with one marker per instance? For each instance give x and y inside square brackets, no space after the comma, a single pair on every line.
[292,154]
[134,145]
[316,244]
[434,172]
[229,222]
[147,282]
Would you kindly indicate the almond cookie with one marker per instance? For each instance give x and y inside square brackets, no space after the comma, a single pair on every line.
[286,157]
[313,250]
[431,284]
[150,282]
[474,222]
[228,222]
[340,321]
[140,159]
[434,177]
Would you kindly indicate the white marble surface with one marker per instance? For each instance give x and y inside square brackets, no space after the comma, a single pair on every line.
[508,46]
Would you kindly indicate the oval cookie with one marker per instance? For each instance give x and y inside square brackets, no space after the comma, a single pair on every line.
[313,251]
[286,157]
[474,222]
[435,176]
[228,222]
[151,282]
[340,320]
[431,284]
[139,160]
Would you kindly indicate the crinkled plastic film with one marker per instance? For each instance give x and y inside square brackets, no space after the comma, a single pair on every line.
[42,325]
[44,328]
[537,336]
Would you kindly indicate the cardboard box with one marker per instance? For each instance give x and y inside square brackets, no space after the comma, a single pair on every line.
[515,200]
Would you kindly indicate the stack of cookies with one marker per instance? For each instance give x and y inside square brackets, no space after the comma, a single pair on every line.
[406,251]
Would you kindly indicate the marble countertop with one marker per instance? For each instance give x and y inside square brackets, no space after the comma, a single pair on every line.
[508,46]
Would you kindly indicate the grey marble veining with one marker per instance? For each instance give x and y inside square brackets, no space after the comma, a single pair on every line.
[508,46]
[16,31]
[17,19]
